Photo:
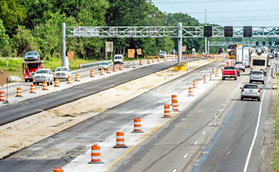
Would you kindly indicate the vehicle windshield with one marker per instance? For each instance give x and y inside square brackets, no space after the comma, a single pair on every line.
[32,53]
[41,71]
[104,64]
[238,62]
[32,66]
[61,69]
[251,86]
[117,57]
[162,52]
[257,73]
[229,67]
[259,62]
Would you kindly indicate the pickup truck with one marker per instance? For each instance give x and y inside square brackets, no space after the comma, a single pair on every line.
[229,72]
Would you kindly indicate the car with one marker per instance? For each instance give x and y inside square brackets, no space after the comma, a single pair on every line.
[118,58]
[162,54]
[42,75]
[240,65]
[251,91]
[237,71]
[32,56]
[103,65]
[257,76]
[230,72]
[62,73]
[276,55]
[271,56]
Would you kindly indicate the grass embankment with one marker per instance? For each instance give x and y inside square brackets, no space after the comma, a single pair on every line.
[276,153]
[15,65]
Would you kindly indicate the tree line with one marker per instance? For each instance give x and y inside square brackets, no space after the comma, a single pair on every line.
[37,25]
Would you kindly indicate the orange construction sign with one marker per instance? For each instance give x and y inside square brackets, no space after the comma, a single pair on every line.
[131,53]
[3,78]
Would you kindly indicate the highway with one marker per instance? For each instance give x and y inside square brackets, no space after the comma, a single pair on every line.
[61,148]
[218,133]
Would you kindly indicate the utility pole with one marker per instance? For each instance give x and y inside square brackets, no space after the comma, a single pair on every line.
[205,38]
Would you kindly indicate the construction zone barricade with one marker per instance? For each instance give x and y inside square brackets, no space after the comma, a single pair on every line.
[101,71]
[32,89]
[195,84]
[175,105]
[95,155]
[120,142]
[18,92]
[211,76]
[121,67]
[153,60]
[137,126]
[173,98]
[114,68]
[148,61]
[45,86]
[56,82]
[92,73]
[190,91]
[217,73]
[167,111]
[213,70]
[2,96]
[205,79]
[158,59]
[180,66]
[140,62]
[108,69]
[69,81]
[77,78]
[58,169]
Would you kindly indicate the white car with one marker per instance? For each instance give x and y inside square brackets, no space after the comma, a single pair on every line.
[42,75]
[103,65]
[240,65]
[118,58]
[62,73]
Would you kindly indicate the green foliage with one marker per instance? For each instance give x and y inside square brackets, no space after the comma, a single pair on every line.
[4,40]
[12,12]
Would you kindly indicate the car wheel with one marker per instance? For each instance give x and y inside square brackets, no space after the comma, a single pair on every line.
[235,78]
[47,83]
[259,99]
[223,78]
[241,98]
[263,82]
[244,70]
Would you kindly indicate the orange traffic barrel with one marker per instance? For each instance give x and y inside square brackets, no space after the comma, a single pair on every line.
[158,60]
[121,67]
[140,62]
[137,126]
[153,60]
[175,105]
[227,63]
[69,81]
[211,76]
[213,70]
[205,79]
[195,84]
[92,73]
[217,74]
[45,86]
[95,154]
[148,61]
[114,68]
[77,77]
[191,91]
[167,111]
[120,142]
[102,71]
[58,169]
[173,98]
[2,96]
[108,69]
[18,92]
[32,88]
[56,82]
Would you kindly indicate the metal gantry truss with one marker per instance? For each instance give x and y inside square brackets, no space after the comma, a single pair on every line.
[179,32]
[162,31]
[250,44]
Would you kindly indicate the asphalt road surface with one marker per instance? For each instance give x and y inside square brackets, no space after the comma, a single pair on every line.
[25,108]
[61,148]
[218,133]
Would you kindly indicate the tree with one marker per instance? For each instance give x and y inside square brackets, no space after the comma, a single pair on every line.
[4,40]
[12,12]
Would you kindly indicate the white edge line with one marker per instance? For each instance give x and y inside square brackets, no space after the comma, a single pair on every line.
[256,132]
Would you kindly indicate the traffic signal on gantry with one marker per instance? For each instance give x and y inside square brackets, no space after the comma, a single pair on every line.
[207,31]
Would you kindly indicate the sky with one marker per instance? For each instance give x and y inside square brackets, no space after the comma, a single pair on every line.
[226,12]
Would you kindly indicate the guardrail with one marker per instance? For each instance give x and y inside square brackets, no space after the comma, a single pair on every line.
[92,64]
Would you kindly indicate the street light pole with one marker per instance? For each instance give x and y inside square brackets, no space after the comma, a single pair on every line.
[205,38]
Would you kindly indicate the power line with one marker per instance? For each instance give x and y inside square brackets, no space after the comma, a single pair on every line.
[204,1]
[242,11]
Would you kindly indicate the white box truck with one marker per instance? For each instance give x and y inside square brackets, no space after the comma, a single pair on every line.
[239,54]
[247,56]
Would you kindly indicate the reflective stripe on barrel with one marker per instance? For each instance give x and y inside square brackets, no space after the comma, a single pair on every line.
[95,153]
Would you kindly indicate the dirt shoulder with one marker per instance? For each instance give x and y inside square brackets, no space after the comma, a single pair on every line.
[22,133]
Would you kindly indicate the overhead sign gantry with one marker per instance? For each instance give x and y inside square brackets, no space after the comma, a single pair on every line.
[178,32]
